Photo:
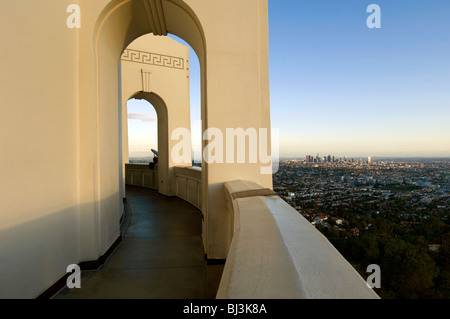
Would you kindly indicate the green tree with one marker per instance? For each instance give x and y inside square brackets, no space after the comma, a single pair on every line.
[443,280]
[407,270]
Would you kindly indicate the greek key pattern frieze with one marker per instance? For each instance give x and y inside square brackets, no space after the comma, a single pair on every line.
[153,59]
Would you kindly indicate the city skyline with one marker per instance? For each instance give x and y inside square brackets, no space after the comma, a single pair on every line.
[337,86]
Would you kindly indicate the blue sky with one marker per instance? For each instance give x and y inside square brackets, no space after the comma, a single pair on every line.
[338,87]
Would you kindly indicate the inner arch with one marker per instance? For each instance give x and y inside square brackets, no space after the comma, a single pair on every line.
[119,24]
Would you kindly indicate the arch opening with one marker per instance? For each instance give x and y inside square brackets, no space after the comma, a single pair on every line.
[163,175]
[140,163]
[120,23]
[142,130]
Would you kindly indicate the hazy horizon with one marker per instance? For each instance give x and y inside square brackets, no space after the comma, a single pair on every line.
[150,155]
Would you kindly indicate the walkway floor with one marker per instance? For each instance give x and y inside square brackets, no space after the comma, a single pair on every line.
[161,255]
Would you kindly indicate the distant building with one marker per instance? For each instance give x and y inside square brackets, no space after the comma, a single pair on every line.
[321,219]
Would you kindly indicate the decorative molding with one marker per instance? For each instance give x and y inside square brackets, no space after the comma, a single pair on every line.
[146,80]
[167,61]
[155,16]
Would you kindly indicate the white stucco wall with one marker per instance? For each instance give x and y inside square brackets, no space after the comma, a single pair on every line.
[39,134]
[59,130]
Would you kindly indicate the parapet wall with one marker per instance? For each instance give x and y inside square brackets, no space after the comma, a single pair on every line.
[276,253]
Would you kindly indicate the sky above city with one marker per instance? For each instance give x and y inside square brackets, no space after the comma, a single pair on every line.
[338,87]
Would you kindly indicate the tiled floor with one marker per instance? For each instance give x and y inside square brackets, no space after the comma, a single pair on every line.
[161,255]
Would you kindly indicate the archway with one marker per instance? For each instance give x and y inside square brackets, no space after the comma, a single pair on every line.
[142,128]
[163,138]
[121,22]
[233,59]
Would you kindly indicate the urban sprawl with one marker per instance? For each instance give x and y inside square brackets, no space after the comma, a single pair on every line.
[321,187]
[392,213]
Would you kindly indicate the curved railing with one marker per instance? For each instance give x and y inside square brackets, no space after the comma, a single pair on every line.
[189,184]
[276,253]
[138,174]
[187,180]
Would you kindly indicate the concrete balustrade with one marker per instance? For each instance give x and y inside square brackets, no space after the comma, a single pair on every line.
[188,180]
[189,185]
[276,253]
[141,175]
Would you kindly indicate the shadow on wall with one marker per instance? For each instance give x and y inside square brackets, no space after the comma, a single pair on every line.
[34,255]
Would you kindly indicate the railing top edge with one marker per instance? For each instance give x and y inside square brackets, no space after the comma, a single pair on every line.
[316,261]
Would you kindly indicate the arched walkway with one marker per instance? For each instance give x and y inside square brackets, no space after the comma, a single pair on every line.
[161,255]
[119,24]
